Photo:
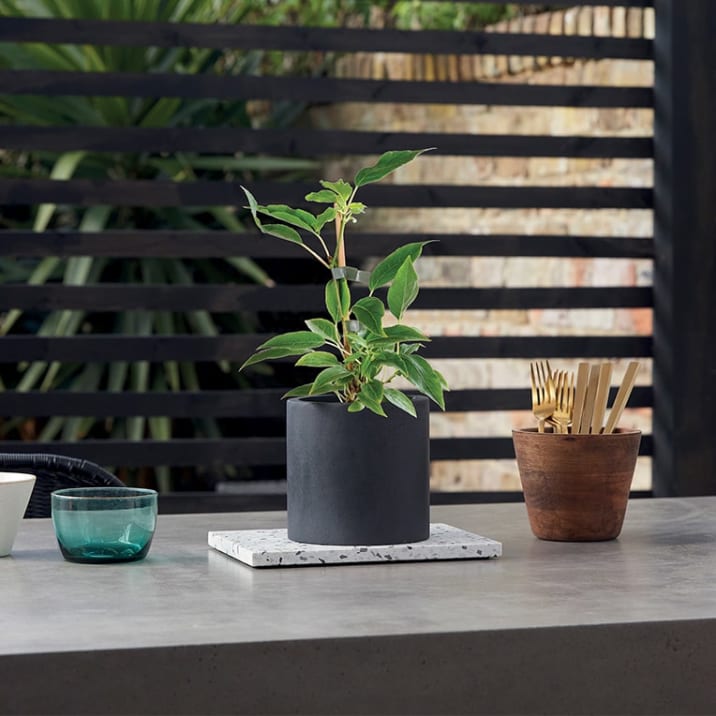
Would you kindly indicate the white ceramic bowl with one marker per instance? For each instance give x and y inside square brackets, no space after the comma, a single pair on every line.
[15,491]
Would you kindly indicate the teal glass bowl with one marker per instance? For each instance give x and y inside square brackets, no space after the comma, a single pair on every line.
[104,524]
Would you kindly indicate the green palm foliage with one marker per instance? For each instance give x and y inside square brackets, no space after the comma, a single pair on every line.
[127,112]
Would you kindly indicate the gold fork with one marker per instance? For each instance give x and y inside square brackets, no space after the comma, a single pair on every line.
[564,401]
[543,393]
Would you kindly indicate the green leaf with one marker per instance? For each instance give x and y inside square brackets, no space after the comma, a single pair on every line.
[296,217]
[408,348]
[300,391]
[64,168]
[357,207]
[386,269]
[338,299]
[371,395]
[330,380]
[388,358]
[324,328]
[253,206]
[386,164]
[400,400]
[279,230]
[282,232]
[300,341]
[324,196]
[317,359]
[355,407]
[370,311]
[340,188]
[398,334]
[404,289]
[268,354]
[427,380]
[324,217]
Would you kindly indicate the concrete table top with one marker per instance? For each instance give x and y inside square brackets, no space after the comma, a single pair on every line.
[627,626]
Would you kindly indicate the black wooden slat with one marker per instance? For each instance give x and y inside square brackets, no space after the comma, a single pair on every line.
[190,452]
[204,244]
[247,451]
[538,347]
[310,39]
[314,142]
[265,403]
[107,348]
[299,298]
[215,403]
[315,89]
[81,192]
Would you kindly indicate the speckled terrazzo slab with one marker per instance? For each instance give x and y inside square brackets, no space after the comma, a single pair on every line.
[272,548]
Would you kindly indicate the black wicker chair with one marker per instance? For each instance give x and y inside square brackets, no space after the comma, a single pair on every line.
[54,472]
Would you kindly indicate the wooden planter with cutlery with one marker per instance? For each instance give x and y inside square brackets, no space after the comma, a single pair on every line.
[576,487]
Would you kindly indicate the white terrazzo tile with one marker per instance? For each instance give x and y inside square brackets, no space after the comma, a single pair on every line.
[272,548]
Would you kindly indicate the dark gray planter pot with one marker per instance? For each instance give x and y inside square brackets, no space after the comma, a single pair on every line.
[357,478]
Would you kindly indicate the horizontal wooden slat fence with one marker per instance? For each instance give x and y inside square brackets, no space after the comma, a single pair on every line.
[304,142]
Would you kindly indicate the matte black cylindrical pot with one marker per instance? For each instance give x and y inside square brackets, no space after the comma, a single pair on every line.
[357,478]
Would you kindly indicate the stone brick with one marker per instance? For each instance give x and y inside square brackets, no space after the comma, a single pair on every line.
[634,22]
[453,68]
[619,22]
[585,21]
[602,21]
[465,71]
[649,23]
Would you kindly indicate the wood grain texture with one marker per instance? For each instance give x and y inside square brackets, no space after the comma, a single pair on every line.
[576,487]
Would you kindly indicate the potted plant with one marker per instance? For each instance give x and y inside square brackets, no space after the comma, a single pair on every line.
[357,447]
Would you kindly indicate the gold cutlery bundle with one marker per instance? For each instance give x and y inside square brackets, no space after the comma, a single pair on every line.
[578,406]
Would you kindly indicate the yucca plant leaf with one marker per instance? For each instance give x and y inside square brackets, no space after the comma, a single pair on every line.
[117,376]
[166,325]
[64,168]
[39,275]
[242,264]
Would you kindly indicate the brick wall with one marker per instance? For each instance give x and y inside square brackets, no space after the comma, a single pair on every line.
[513,171]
